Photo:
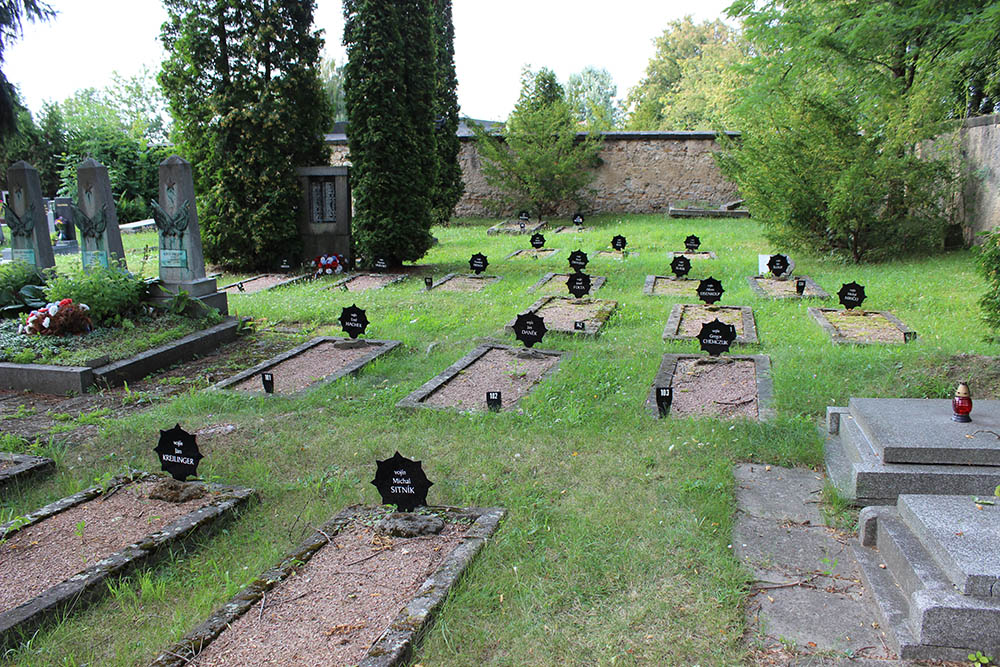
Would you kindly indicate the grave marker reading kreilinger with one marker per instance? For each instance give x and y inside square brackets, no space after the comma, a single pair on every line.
[25,215]
[401,482]
[96,217]
[710,290]
[178,452]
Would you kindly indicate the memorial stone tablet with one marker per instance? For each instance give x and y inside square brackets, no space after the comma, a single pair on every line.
[778,265]
[716,337]
[478,263]
[178,452]
[692,242]
[619,243]
[353,320]
[710,290]
[579,284]
[537,241]
[578,260]
[493,402]
[852,295]
[664,397]
[401,482]
[680,265]
[529,328]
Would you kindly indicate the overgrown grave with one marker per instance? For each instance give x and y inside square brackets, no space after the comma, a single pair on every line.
[776,280]
[686,319]
[576,227]
[521,225]
[16,469]
[617,252]
[556,283]
[679,284]
[317,362]
[855,325]
[460,282]
[357,591]
[63,555]
[262,283]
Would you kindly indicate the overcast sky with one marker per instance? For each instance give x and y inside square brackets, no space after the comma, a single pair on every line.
[89,39]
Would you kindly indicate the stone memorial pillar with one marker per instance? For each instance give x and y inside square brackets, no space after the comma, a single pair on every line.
[182,264]
[96,217]
[25,215]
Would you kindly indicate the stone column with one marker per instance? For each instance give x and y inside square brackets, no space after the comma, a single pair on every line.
[96,217]
[25,215]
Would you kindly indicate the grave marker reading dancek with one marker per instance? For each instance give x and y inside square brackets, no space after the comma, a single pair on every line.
[778,265]
[716,337]
[619,243]
[529,328]
[578,260]
[401,482]
[664,397]
[178,452]
[537,241]
[353,320]
[852,295]
[692,242]
[579,284]
[493,402]
[478,263]
[681,266]
[710,290]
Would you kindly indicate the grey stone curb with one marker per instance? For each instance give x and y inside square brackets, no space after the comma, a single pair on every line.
[47,379]
[746,312]
[607,308]
[549,253]
[406,630]
[487,280]
[707,213]
[89,584]
[379,348]
[396,278]
[597,282]
[416,398]
[818,314]
[283,283]
[506,228]
[762,366]
[568,228]
[650,284]
[24,467]
[818,292]
[694,254]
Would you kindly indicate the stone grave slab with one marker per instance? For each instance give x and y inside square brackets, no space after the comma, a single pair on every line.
[555,283]
[694,254]
[234,626]
[562,313]
[751,387]
[61,571]
[514,227]
[16,468]
[569,228]
[533,253]
[261,283]
[686,319]
[490,367]
[670,286]
[461,282]
[315,363]
[870,326]
[935,584]
[936,455]
[360,282]
[771,288]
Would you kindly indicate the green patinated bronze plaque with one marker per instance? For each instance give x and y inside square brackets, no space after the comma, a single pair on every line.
[95,258]
[23,255]
[173,259]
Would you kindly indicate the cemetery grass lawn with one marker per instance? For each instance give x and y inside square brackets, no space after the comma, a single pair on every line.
[616,549]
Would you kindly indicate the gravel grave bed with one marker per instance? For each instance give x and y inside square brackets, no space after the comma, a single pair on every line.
[307,367]
[512,372]
[863,326]
[461,283]
[336,605]
[561,312]
[694,315]
[366,281]
[615,254]
[40,556]
[555,283]
[695,254]
[667,285]
[714,387]
[257,283]
[540,253]
[785,289]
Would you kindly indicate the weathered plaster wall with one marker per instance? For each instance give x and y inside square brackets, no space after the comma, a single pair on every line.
[979,204]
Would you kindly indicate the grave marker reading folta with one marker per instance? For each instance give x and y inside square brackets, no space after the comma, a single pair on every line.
[710,290]
[692,242]
[401,482]
[778,265]
[529,328]
[578,260]
[578,284]
[716,337]
[178,453]
[681,266]
[852,295]
[478,263]
[619,243]
[353,320]
[537,241]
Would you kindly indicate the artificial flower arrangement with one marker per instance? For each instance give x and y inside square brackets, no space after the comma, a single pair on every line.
[328,265]
[58,319]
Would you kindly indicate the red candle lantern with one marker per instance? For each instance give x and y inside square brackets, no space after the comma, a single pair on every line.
[961,404]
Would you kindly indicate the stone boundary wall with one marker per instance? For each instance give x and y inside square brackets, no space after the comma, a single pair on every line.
[979,201]
[641,172]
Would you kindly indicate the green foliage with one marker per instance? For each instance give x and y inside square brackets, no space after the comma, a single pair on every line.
[332,79]
[448,184]
[540,164]
[979,658]
[242,80]
[20,288]
[989,267]
[591,97]
[112,293]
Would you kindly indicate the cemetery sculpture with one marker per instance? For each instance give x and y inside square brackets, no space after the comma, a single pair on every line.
[96,217]
[401,482]
[24,214]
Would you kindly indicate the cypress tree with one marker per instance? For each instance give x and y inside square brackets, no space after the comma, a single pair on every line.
[389,89]
[449,186]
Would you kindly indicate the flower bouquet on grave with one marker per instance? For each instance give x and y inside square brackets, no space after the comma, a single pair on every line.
[58,319]
[328,265]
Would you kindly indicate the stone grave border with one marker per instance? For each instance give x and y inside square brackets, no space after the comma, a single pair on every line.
[748,337]
[694,254]
[568,228]
[650,284]
[50,379]
[487,280]
[607,308]
[396,278]
[818,314]
[552,252]
[25,467]
[91,582]
[597,282]
[415,399]
[405,632]
[765,385]
[379,348]
[506,228]
[707,212]
[290,281]
[810,285]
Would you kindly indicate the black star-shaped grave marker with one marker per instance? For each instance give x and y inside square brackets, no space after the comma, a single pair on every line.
[578,219]
[381,264]
[692,242]
[401,482]
[619,243]
[353,320]
[716,337]
[478,263]
[710,290]
[778,265]
[578,260]
[852,295]
[524,216]
[537,241]
[681,266]
[529,328]
[178,453]
[578,284]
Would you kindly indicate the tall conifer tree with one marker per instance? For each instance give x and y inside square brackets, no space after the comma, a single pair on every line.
[449,186]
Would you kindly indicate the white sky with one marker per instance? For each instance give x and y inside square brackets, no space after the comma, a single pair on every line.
[89,39]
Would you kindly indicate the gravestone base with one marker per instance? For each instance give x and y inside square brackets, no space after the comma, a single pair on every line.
[932,566]
[204,290]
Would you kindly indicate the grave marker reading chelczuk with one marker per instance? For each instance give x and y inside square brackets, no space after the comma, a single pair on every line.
[401,482]
[178,453]
[716,337]
[800,286]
